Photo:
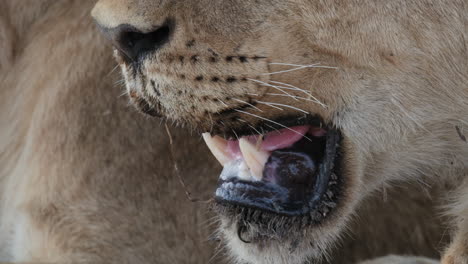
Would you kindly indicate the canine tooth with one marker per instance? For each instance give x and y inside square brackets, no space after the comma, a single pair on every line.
[254,158]
[259,142]
[218,147]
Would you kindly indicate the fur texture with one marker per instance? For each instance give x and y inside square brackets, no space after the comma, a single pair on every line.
[391,76]
[86,180]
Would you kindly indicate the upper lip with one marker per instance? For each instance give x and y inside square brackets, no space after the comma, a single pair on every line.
[242,129]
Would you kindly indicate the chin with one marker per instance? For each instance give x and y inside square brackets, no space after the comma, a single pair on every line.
[282,193]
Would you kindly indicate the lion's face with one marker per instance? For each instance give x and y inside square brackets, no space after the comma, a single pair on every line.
[308,105]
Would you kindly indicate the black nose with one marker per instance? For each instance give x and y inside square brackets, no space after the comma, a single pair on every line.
[133,43]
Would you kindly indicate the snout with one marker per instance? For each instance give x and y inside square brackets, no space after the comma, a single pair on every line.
[131,35]
[134,43]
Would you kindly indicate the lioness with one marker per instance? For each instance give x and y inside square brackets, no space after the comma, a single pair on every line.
[83,179]
[310,106]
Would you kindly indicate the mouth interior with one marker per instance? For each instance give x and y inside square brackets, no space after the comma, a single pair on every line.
[285,171]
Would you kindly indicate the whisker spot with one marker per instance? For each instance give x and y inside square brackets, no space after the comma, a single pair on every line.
[194,58]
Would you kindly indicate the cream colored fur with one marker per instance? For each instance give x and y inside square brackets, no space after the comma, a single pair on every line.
[84,179]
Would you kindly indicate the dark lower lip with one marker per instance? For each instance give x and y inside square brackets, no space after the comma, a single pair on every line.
[278,200]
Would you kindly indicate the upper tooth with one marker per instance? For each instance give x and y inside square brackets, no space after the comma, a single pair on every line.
[254,158]
[218,147]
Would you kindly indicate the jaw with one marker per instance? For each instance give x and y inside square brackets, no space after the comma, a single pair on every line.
[259,233]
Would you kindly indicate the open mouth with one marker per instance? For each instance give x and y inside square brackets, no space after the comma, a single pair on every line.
[293,171]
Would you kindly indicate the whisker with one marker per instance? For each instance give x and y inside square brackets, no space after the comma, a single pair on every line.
[286,71]
[212,123]
[301,65]
[176,169]
[113,70]
[226,105]
[248,123]
[210,221]
[290,64]
[304,91]
[273,122]
[256,130]
[237,136]
[273,129]
[298,67]
[213,258]
[297,97]
[270,105]
[313,100]
[315,65]
[271,85]
[249,104]
[287,106]
[292,87]
[120,82]
[123,94]
[124,53]
[281,83]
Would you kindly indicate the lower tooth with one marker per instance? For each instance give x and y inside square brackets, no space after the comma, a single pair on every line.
[244,172]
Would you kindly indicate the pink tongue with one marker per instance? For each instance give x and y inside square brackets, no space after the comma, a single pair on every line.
[272,141]
[283,138]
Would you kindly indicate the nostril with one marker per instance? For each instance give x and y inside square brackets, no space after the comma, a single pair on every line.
[134,44]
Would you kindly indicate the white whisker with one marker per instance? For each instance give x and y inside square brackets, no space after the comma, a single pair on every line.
[273,122]
[217,252]
[212,123]
[222,123]
[283,105]
[233,131]
[273,86]
[113,70]
[316,65]
[298,67]
[297,97]
[299,89]
[123,94]
[291,89]
[313,100]
[290,86]
[258,132]
[270,105]
[120,82]
[226,105]
[286,84]
[292,65]
[273,129]
[286,71]
[249,104]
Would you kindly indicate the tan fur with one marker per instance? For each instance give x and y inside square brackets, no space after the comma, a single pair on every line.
[85,179]
[395,84]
